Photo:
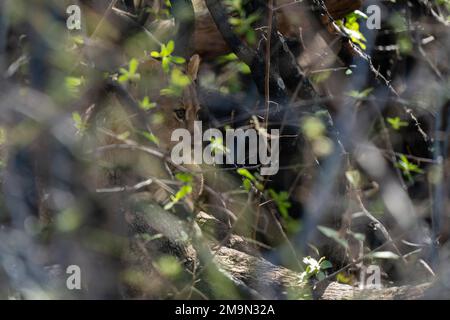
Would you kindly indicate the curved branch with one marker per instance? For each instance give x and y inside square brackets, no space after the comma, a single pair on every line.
[219,15]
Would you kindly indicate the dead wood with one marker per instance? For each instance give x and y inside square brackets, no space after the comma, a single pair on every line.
[275,281]
[255,276]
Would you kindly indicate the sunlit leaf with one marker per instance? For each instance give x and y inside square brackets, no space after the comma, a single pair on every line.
[333,234]
[384,255]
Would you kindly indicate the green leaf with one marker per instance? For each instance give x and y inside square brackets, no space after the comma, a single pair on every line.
[151,137]
[360,94]
[384,255]
[351,27]
[123,136]
[130,74]
[179,79]
[182,193]
[155,54]
[2,136]
[408,167]
[79,123]
[247,184]
[227,58]
[343,278]
[69,220]
[133,66]
[313,127]
[74,81]
[169,266]
[78,40]
[178,60]
[396,123]
[184,177]
[282,201]
[244,68]
[246,173]
[354,178]
[315,268]
[320,276]
[123,78]
[170,47]
[168,92]
[165,63]
[76,117]
[217,146]
[73,84]
[325,264]
[333,234]
[146,105]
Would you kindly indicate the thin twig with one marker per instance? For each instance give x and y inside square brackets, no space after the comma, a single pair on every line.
[268,58]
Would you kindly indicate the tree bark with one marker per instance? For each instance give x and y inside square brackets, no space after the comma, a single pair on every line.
[278,282]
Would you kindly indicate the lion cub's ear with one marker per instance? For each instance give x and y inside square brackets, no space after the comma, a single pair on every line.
[193,66]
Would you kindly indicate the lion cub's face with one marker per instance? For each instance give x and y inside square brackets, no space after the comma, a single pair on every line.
[122,165]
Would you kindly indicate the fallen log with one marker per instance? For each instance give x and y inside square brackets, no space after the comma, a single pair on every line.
[255,276]
[278,282]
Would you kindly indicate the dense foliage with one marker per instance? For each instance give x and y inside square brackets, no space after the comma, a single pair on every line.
[355,94]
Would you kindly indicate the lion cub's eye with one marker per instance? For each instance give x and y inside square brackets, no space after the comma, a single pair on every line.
[180,114]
